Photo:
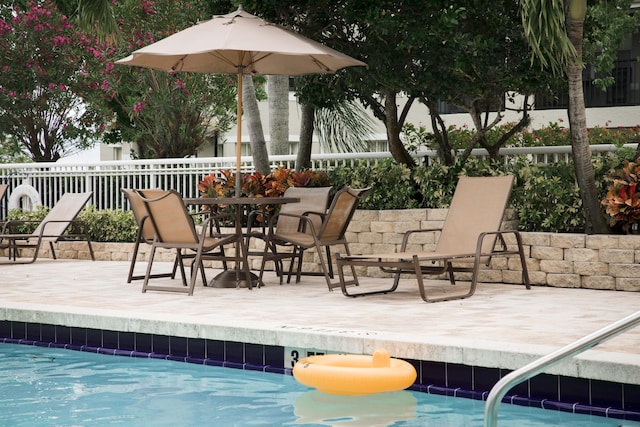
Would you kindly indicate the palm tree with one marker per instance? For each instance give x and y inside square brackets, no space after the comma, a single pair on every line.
[278,95]
[554,29]
[90,14]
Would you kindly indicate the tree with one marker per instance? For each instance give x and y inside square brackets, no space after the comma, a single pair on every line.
[278,95]
[49,71]
[90,15]
[254,124]
[165,114]
[555,30]
[314,92]
[487,62]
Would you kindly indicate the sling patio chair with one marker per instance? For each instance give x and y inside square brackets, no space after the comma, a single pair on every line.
[175,229]
[330,231]
[59,224]
[469,236]
[312,202]
[146,232]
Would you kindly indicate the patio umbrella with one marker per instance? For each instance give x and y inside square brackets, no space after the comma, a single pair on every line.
[239,43]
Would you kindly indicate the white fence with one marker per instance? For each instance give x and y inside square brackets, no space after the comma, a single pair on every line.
[105,179]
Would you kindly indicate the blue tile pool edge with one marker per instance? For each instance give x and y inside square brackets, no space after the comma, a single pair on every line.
[546,404]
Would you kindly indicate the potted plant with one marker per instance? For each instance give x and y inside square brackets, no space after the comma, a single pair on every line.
[623,198]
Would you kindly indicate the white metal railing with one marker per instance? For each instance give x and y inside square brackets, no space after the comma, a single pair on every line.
[106,178]
[540,365]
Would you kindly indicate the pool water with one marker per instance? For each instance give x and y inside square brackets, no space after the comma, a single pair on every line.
[55,387]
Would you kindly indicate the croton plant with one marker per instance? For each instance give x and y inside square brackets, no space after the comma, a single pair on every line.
[223,184]
[623,198]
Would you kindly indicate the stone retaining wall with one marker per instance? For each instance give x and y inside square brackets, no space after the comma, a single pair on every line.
[610,262]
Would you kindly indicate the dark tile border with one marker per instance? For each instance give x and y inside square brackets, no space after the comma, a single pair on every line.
[593,397]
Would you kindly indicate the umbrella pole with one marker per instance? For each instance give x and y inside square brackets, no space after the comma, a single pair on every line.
[239,136]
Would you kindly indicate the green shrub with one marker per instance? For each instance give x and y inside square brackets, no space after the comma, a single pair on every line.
[545,197]
[102,225]
[31,218]
[109,225]
[392,186]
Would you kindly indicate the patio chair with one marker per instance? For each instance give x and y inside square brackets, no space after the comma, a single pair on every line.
[469,235]
[53,228]
[146,232]
[175,229]
[312,233]
[311,200]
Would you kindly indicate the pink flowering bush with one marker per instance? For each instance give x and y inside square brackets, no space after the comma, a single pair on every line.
[49,73]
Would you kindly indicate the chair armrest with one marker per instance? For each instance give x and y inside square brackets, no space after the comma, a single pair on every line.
[9,227]
[73,222]
[303,224]
[407,235]
[304,220]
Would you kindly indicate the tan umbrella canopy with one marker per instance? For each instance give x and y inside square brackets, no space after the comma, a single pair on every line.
[240,43]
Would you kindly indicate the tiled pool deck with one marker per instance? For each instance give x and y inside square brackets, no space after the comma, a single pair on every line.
[502,327]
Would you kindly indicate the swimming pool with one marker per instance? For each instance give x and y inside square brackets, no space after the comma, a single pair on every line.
[42,386]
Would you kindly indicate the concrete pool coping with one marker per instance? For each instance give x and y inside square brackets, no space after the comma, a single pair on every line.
[501,326]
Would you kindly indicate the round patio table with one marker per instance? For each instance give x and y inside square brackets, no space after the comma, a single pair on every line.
[238,277]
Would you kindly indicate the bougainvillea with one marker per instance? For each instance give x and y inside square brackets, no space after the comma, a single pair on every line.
[49,70]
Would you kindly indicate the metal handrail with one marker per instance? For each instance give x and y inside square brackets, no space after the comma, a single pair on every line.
[534,368]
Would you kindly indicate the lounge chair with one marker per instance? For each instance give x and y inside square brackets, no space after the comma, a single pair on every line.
[175,229]
[331,231]
[312,202]
[470,234]
[53,228]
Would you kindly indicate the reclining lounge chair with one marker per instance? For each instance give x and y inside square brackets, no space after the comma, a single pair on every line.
[469,236]
[51,229]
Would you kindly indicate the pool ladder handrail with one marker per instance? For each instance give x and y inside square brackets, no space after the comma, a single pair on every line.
[532,369]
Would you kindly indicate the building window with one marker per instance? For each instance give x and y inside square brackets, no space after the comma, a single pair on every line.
[624,92]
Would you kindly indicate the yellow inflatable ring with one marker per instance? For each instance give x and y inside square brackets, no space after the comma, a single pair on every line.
[353,374]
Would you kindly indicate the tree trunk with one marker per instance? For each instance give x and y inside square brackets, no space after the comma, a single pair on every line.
[303,158]
[440,133]
[278,93]
[251,113]
[397,149]
[585,176]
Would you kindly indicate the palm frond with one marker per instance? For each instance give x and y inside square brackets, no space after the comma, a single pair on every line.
[344,127]
[544,23]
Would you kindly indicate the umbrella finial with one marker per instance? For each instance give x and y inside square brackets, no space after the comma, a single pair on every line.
[240,8]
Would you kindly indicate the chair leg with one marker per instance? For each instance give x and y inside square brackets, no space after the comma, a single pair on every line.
[180,262]
[325,269]
[53,251]
[523,261]
[195,266]
[148,274]
[299,268]
[328,248]
[133,261]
